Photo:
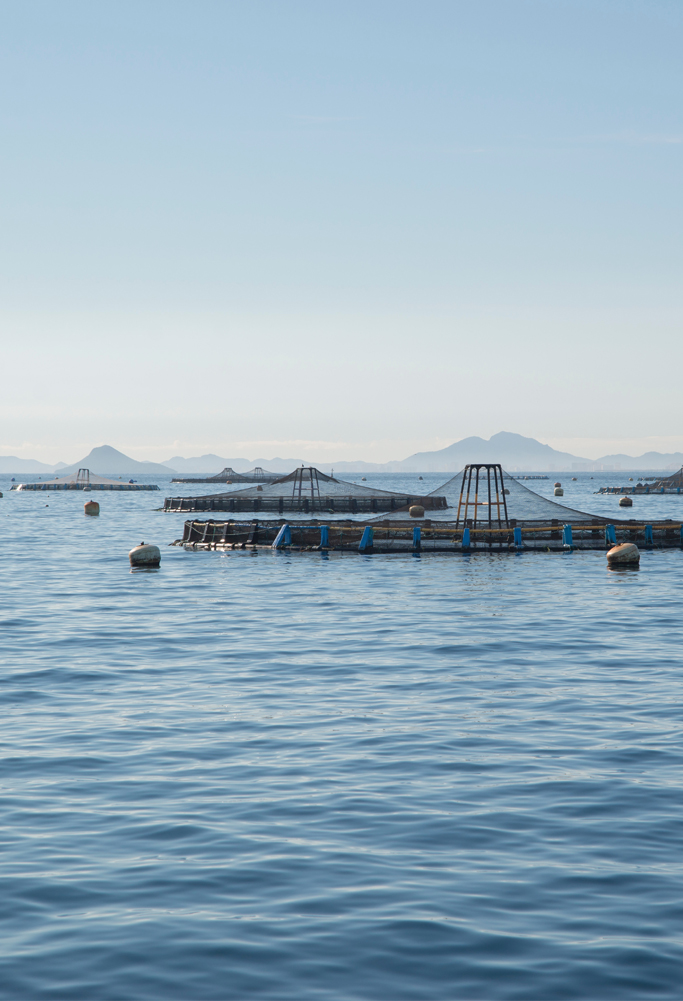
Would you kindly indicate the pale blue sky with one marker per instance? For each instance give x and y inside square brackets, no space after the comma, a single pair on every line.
[351,229]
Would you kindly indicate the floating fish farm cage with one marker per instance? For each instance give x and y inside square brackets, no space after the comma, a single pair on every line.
[306,490]
[640,490]
[481,509]
[397,537]
[666,485]
[84,480]
[228,475]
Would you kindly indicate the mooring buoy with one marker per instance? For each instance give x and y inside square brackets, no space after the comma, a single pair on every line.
[145,556]
[557,484]
[416,511]
[91,507]
[624,554]
[558,492]
[625,501]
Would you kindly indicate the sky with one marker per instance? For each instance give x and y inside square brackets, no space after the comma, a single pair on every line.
[345,231]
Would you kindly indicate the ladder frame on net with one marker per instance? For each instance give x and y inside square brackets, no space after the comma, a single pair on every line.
[500,501]
[299,482]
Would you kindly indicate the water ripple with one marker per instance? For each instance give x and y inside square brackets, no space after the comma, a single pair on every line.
[288,776]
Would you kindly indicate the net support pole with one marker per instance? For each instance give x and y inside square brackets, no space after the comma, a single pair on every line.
[283,537]
[366,539]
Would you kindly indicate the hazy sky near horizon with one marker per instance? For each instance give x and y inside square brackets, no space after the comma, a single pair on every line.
[339,230]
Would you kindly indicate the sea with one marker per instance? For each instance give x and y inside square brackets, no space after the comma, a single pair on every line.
[316,776]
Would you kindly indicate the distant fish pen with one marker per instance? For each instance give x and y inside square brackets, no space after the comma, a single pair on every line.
[427,537]
[665,485]
[282,503]
[84,480]
[228,475]
[306,490]
[639,490]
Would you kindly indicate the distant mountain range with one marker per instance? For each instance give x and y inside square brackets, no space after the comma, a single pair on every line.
[102,460]
[513,451]
[13,464]
[106,459]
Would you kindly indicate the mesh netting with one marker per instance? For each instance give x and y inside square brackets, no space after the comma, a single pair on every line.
[228,475]
[522,504]
[672,482]
[306,490]
[309,482]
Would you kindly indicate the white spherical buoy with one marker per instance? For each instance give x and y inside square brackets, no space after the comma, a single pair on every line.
[625,501]
[145,556]
[558,492]
[626,554]
[91,508]
[416,511]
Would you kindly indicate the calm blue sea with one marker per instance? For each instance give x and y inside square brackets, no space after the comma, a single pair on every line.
[334,777]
